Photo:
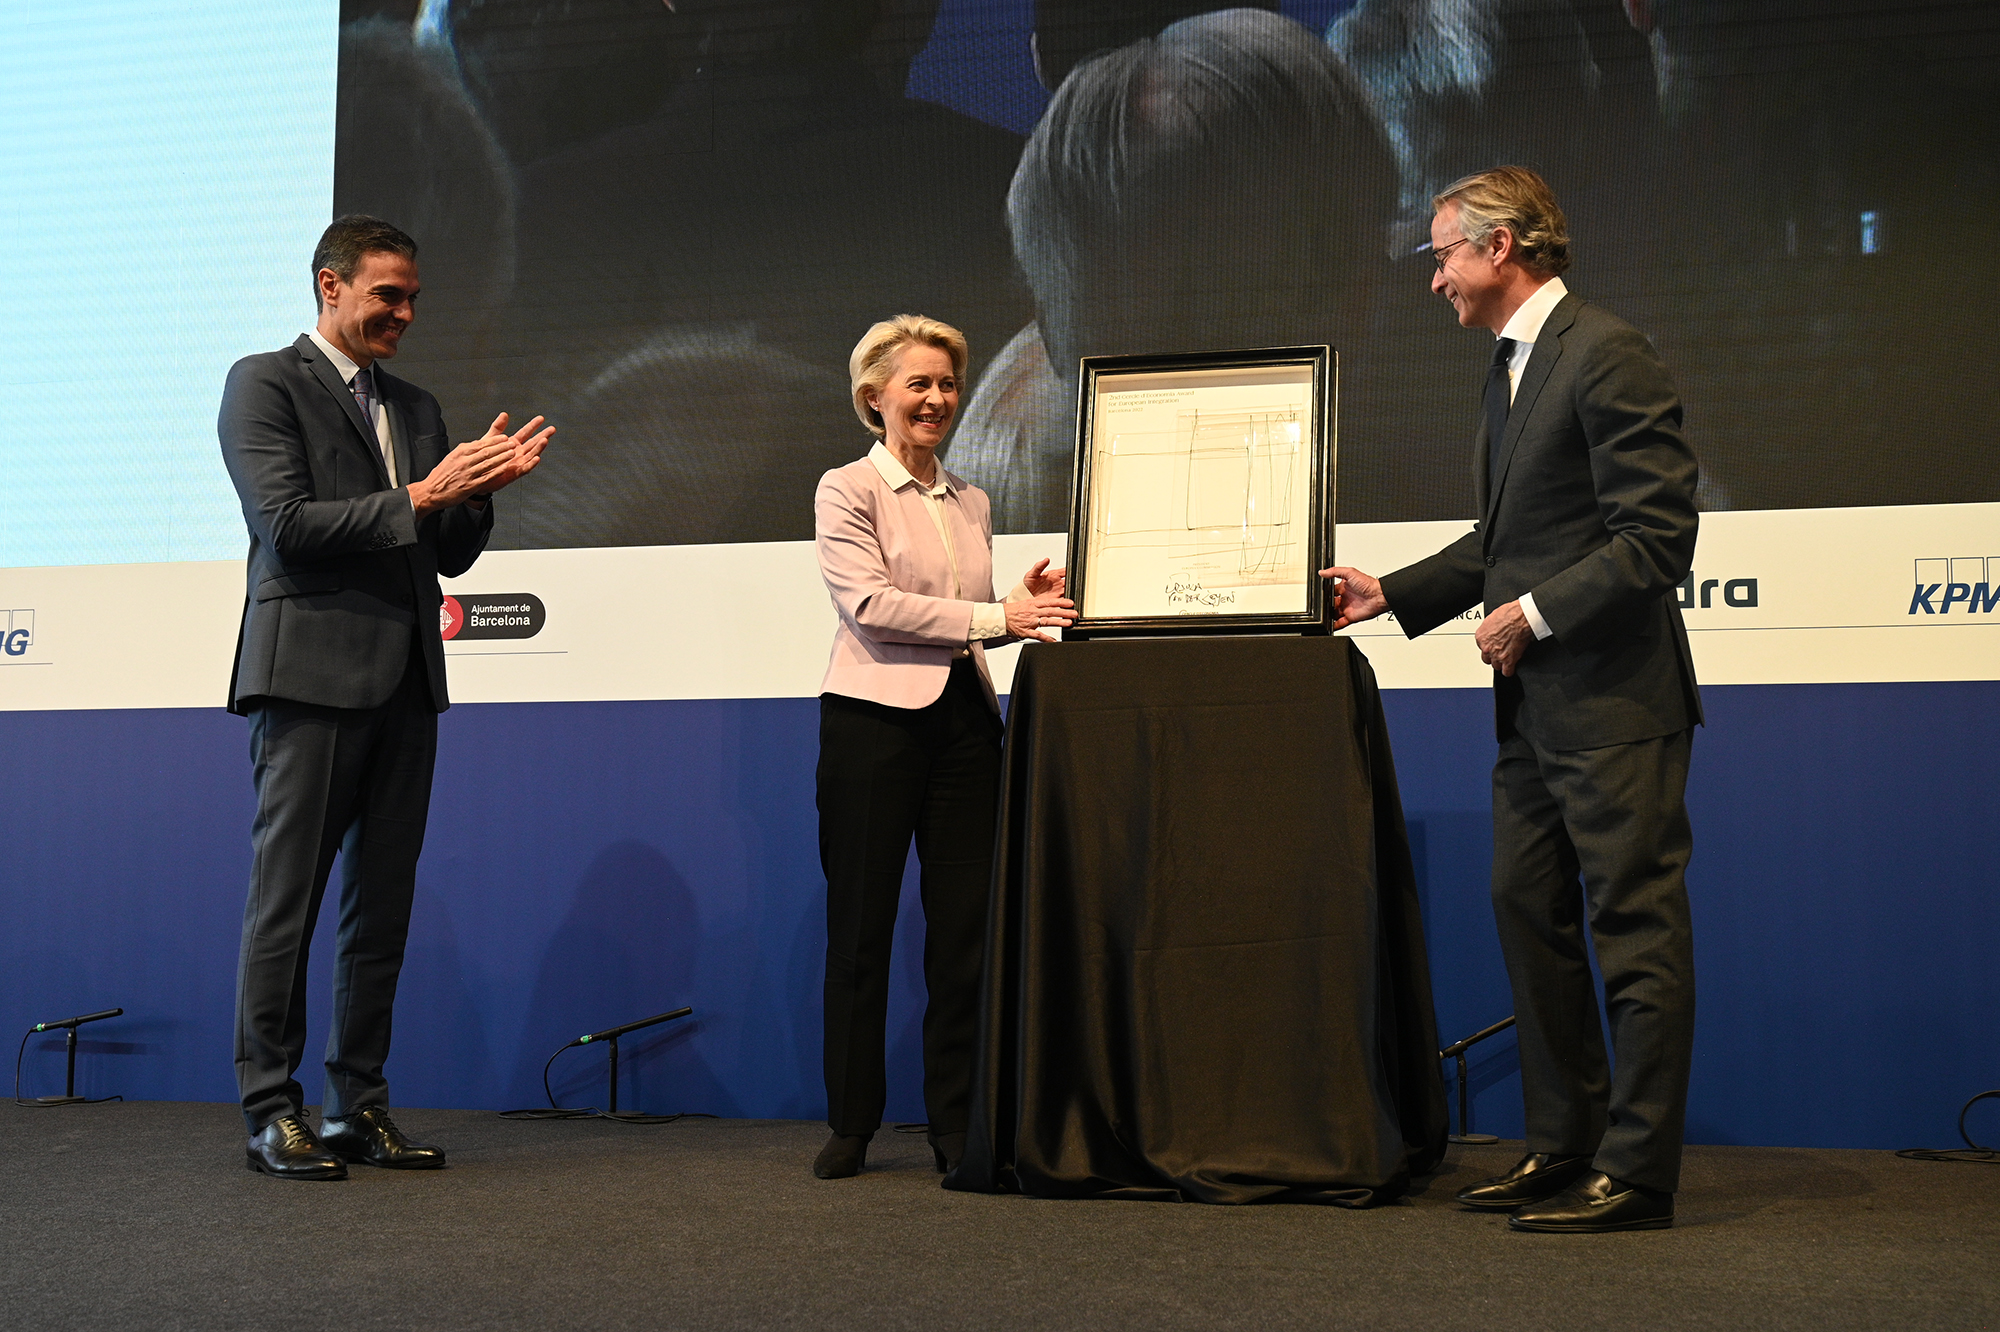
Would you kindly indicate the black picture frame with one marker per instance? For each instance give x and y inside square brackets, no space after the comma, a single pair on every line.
[1114,518]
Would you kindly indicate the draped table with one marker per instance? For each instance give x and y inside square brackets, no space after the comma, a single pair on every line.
[1205,976]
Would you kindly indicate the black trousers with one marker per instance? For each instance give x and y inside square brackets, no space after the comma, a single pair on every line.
[887,775]
[1598,840]
[355,781]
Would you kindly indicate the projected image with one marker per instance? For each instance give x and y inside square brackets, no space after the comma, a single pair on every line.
[665,227]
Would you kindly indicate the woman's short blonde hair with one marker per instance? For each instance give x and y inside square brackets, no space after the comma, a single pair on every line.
[868,368]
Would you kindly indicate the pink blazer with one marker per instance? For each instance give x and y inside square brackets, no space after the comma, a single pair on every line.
[891,582]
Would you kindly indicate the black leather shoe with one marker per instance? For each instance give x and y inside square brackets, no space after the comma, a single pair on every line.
[843,1156]
[1595,1204]
[370,1137]
[946,1149]
[287,1149]
[1536,1176]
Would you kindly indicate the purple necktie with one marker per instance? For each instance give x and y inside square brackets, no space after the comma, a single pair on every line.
[363,385]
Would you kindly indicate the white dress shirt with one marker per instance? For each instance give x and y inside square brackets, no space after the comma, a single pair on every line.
[344,363]
[989,618]
[1524,328]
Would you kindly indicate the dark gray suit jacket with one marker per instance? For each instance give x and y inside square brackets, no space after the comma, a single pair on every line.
[341,573]
[1593,512]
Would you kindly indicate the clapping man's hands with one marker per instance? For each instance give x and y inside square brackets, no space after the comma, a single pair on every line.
[476,469]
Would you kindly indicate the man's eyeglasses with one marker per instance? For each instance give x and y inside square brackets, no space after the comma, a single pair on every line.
[1438,255]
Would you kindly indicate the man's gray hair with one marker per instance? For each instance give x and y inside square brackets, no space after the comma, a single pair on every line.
[1518,199]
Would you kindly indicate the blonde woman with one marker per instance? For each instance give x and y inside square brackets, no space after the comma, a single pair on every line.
[909,729]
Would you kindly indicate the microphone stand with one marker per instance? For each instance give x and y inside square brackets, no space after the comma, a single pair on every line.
[1457,1052]
[609,1038]
[69,1096]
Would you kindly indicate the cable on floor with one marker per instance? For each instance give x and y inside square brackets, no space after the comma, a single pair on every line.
[1972,1153]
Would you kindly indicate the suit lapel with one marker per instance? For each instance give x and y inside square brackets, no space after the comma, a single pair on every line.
[1482,474]
[330,379]
[1541,363]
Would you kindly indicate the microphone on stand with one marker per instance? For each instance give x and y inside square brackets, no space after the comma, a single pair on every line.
[69,1096]
[75,1022]
[609,1038]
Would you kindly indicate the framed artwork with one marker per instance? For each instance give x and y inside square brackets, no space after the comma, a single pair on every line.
[1204,494]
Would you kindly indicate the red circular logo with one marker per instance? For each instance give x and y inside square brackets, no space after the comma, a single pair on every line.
[451,619]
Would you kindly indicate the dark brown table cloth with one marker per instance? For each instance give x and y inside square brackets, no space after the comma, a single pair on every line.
[1205,974]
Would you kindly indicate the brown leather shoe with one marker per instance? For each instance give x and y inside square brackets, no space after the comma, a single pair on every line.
[1595,1204]
[370,1137]
[287,1149]
[1536,1176]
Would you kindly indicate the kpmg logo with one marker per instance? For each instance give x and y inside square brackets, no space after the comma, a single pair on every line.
[1970,581]
[17,632]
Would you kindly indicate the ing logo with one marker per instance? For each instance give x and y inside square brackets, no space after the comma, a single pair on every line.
[17,632]
[1971,581]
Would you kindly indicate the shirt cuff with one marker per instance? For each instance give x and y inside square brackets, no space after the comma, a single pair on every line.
[1535,620]
[989,620]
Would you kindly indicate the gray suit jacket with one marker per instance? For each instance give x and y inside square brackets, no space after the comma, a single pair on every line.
[1593,512]
[341,573]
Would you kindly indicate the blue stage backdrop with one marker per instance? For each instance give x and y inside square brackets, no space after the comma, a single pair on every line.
[593,863]
[630,211]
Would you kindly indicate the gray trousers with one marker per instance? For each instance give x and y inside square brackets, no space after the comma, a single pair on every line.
[1597,841]
[353,781]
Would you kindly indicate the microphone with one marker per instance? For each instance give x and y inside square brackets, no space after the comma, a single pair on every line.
[609,1039]
[75,1022]
[609,1033]
[69,1096]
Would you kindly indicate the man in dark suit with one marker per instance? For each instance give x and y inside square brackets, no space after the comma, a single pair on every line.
[1587,493]
[355,504]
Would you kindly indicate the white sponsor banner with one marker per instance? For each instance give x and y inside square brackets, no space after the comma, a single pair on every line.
[120,635]
[1787,596]
[1777,597]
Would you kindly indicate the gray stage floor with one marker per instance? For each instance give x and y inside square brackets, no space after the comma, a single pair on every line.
[142,1216]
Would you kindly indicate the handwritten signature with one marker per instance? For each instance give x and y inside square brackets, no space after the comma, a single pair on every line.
[1183,591]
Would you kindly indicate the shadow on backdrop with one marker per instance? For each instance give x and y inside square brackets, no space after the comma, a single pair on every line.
[632,930]
[440,1030]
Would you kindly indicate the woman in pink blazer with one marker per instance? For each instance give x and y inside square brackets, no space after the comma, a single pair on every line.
[909,733]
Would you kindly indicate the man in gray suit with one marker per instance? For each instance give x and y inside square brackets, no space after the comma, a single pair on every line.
[355,504]
[1586,488]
